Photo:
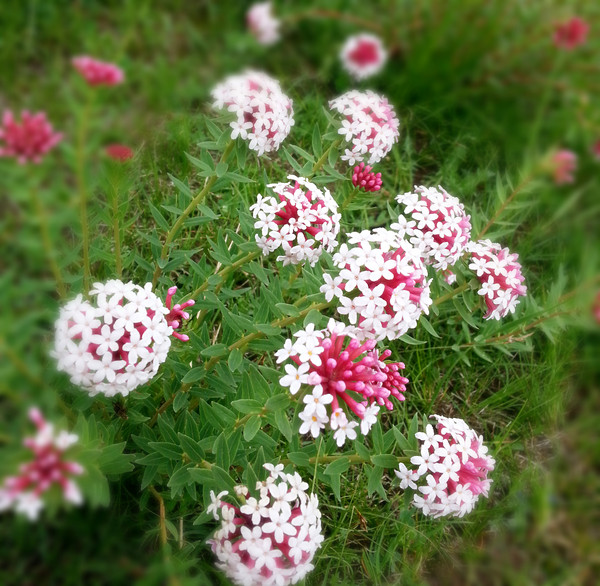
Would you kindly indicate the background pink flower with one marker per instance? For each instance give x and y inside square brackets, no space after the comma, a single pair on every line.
[98,72]
[571,34]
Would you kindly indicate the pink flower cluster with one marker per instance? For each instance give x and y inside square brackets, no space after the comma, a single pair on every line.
[177,314]
[364,178]
[117,343]
[571,34]
[262,24]
[439,227]
[29,140]
[23,493]
[303,221]
[500,275]
[264,114]
[272,537]
[563,166]
[363,55]
[119,152]
[454,465]
[97,72]
[369,123]
[382,286]
[339,367]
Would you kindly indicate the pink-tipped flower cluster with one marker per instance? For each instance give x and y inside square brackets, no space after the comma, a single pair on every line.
[28,140]
[369,124]
[363,55]
[382,286]
[563,165]
[262,24]
[49,468]
[571,34]
[97,72]
[271,539]
[264,114]
[500,275]
[117,342]
[365,178]
[302,221]
[438,227]
[340,369]
[453,464]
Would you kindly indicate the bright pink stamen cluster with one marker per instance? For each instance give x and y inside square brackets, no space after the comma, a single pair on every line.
[500,275]
[363,55]
[177,314]
[364,178]
[24,492]
[571,34]
[563,166]
[97,72]
[28,140]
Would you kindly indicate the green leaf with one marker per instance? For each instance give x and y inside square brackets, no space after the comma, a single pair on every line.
[428,327]
[299,458]
[181,400]
[374,476]
[385,461]
[191,448]
[167,449]
[277,402]
[215,350]
[288,309]
[283,424]
[338,466]
[221,168]
[193,375]
[201,475]
[247,406]
[235,359]
[251,427]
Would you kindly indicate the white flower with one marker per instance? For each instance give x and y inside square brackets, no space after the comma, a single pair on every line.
[369,419]
[262,24]
[407,477]
[294,377]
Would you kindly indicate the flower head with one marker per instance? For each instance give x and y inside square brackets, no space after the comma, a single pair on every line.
[97,72]
[571,34]
[369,124]
[23,493]
[363,56]
[272,538]
[452,469]
[119,152]
[563,165]
[439,227]
[346,376]
[384,286]
[28,140]
[262,24]
[500,275]
[117,341]
[302,221]
[264,114]
[364,178]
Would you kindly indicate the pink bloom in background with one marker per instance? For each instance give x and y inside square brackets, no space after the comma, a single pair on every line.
[23,493]
[596,150]
[500,276]
[272,538]
[363,56]
[571,34]
[28,140]
[454,465]
[332,361]
[119,152]
[364,178]
[564,165]
[262,24]
[98,72]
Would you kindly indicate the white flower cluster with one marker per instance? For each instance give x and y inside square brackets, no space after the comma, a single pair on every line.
[500,275]
[363,55]
[264,114]
[272,537]
[454,465]
[303,221]
[115,343]
[382,286]
[370,124]
[262,24]
[438,227]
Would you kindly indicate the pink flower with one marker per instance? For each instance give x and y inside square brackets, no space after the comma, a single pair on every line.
[23,493]
[500,276]
[571,34]
[596,150]
[262,24]
[98,72]
[364,178]
[564,164]
[119,152]
[363,56]
[29,140]
[177,314]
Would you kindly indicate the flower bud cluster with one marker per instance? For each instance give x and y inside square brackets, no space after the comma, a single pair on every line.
[438,227]
[453,464]
[262,24]
[500,275]
[382,286]
[272,537]
[97,72]
[264,114]
[363,55]
[365,178]
[117,342]
[302,221]
[369,124]
[340,368]
[49,468]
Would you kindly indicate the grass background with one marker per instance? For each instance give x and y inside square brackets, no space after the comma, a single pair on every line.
[483,96]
